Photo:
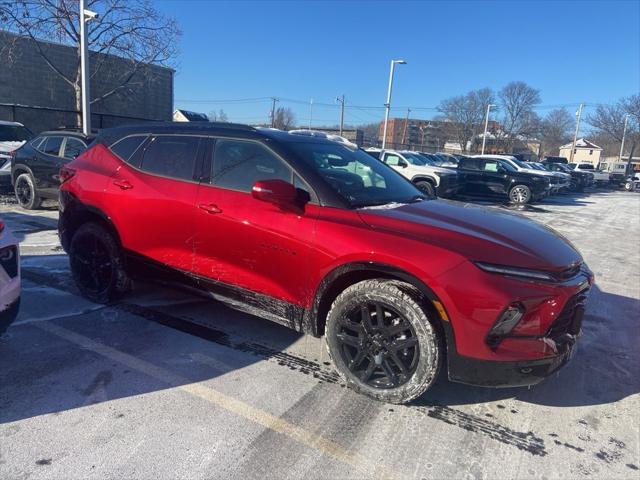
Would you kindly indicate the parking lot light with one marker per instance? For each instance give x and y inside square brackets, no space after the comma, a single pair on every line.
[388,104]
[486,124]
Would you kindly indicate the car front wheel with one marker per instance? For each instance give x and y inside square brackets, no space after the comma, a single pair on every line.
[96,264]
[520,194]
[26,193]
[382,341]
[426,187]
[628,186]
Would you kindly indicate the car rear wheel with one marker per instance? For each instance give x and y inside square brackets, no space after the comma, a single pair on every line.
[520,194]
[426,188]
[96,264]
[26,193]
[382,341]
[628,186]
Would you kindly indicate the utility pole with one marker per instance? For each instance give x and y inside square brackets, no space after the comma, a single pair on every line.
[421,138]
[624,133]
[486,124]
[341,100]
[310,112]
[388,104]
[404,130]
[273,112]
[84,69]
[575,135]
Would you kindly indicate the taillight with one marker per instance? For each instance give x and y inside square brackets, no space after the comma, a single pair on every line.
[1,225]
[12,154]
[66,173]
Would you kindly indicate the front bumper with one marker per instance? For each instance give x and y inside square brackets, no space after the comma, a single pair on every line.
[489,373]
[449,186]
[9,314]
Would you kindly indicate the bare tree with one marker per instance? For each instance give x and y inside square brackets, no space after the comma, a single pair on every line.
[517,101]
[555,130]
[219,116]
[608,120]
[131,29]
[466,112]
[284,118]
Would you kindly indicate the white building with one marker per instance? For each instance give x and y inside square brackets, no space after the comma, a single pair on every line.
[585,152]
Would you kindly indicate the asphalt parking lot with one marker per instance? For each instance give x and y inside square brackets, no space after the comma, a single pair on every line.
[167,385]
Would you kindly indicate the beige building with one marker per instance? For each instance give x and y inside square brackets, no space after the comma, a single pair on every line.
[585,152]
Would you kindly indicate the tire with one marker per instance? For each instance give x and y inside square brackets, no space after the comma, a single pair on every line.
[628,186]
[26,192]
[520,194]
[426,187]
[97,265]
[373,350]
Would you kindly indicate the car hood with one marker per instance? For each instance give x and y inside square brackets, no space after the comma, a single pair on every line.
[486,234]
[537,172]
[433,169]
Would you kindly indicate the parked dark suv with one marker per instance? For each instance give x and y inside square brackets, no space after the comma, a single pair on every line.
[35,166]
[494,178]
[325,239]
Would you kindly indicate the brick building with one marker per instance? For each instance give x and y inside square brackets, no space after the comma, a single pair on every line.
[33,94]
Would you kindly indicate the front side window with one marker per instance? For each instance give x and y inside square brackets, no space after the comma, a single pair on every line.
[356,176]
[490,166]
[239,164]
[171,156]
[392,159]
[73,147]
[52,146]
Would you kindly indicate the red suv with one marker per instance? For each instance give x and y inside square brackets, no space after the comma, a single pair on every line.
[325,239]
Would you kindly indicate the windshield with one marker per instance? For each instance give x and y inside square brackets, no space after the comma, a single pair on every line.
[14,133]
[356,176]
[414,159]
[520,163]
[585,166]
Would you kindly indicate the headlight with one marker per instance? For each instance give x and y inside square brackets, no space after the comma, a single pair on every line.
[523,273]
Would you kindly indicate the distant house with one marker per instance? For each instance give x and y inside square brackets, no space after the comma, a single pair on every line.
[187,116]
[585,152]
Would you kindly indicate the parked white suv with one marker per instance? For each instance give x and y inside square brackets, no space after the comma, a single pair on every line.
[429,179]
[555,183]
[9,278]
[598,175]
[12,136]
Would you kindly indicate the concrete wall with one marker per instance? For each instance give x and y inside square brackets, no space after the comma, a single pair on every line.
[27,81]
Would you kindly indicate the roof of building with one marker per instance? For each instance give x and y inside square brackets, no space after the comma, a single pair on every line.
[583,143]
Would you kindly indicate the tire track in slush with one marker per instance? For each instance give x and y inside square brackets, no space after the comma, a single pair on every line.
[527,442]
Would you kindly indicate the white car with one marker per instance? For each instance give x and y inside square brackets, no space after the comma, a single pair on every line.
[598,175]
[555,183]
[429,178]
[12,136]
[9,278]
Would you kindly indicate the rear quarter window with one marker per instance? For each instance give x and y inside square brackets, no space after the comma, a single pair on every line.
[126,147]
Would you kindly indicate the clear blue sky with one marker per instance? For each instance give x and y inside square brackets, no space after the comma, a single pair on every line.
[573,51]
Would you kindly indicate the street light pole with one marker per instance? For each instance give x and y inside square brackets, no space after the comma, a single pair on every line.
[486,124]
[575,135]
[388,104]
[624,133]
[84,71]
[341,100]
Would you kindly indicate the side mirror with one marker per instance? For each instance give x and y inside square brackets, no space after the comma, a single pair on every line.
[402,163]
[278,192]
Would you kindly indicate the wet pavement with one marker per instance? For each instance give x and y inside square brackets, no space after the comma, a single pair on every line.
[168,385]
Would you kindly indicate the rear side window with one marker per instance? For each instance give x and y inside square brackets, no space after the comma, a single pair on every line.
[35,143]
[52,146]
[73,147]
[171,156]
[126,147]
[238,164]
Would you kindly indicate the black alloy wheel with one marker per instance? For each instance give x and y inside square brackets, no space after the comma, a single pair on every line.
[26,193]
[378,345]
[96,264]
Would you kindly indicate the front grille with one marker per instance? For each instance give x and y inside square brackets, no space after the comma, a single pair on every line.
[570,318]
[448,182]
